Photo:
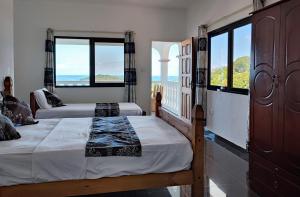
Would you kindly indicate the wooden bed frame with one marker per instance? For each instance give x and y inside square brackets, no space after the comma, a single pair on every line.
[195,176]
[34,106]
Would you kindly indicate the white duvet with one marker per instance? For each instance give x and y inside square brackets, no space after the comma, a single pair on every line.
[83,110]
[54,150]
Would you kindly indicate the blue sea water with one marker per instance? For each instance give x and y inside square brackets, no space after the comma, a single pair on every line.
[170,78]
[71,77]
[83,77]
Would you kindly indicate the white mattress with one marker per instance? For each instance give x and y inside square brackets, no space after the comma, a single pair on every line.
[48,153]
[83,110]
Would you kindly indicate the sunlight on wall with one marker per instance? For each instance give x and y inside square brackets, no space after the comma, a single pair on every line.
[214,190]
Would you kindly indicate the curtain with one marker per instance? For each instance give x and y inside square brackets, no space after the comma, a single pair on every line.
[201,71]
[130,70]
[258,4]
[49,69]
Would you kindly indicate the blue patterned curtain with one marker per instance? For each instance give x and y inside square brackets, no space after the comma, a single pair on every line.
[49,69]
[130,70]
[258,4]
[201,75]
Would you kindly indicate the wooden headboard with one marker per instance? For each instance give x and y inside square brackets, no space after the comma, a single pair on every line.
[33,104]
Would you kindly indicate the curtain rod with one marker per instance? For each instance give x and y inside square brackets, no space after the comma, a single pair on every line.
[229,15]
[87,31]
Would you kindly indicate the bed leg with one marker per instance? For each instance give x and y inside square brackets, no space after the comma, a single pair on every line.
[198,147]
[197,190]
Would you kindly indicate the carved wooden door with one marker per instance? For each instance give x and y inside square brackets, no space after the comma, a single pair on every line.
[264,83]
[188,61]
[289,78]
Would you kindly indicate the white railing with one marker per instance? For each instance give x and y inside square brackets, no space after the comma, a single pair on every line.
[171,96]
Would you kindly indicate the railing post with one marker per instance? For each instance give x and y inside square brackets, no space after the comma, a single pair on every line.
[158,99]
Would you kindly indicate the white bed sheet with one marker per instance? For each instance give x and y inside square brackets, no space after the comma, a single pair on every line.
[16,156]
[82,110]
[59,153]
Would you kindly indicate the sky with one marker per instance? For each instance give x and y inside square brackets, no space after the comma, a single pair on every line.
[109,60]
[219,46]
[73,59]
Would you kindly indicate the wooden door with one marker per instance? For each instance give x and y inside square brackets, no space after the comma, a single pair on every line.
[289,78]
[264,84]
[188,68]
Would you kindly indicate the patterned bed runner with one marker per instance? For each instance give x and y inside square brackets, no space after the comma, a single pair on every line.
[113,136]
[107,110]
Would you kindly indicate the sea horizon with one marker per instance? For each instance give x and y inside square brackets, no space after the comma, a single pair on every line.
[84,77]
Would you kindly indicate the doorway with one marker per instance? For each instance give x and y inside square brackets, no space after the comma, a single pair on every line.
[166,75]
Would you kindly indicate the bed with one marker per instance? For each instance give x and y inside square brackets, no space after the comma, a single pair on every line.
[79,110]
[44,163]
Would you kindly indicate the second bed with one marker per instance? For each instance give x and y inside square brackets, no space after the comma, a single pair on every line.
[79,110]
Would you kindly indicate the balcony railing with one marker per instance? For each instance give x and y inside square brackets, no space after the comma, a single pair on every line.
[171,96]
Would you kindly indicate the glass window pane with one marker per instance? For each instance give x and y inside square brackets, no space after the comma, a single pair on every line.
[72,62]
[219,60]
[241,57]
[109,62]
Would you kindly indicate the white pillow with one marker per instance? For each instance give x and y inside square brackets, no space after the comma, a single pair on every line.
[41,99]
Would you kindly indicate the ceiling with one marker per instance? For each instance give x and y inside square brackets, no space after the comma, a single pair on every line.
[182,4]
[152,3]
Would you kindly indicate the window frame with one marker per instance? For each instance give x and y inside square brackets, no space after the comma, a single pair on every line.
[92,41]
[230,30]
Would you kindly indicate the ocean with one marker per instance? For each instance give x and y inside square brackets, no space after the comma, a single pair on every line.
[84,77]
[71,77]
[170,78]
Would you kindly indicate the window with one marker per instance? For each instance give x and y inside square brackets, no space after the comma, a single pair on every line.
[89,62]
[241,56]
[219,60]
[229,58]
[72,62]
[109,62]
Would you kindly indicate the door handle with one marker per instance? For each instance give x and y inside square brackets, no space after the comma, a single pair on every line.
[267,151]
[276,80]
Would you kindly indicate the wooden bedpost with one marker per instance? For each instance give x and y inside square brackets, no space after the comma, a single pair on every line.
[198,147]
[158,99]
[33,104]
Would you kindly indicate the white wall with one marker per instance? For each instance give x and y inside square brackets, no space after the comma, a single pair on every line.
[228,114]
[32,17]
[6,40]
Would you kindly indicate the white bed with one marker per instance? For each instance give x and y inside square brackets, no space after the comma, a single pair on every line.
[54,150]
[84,110]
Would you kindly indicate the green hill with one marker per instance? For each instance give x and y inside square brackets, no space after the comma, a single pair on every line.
[100,77]
[108,78]
[241,74]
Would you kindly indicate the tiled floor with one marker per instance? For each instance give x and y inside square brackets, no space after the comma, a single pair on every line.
[226,175]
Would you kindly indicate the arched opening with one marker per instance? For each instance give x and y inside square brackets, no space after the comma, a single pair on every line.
[156,66]
[173,65]
[166,75]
